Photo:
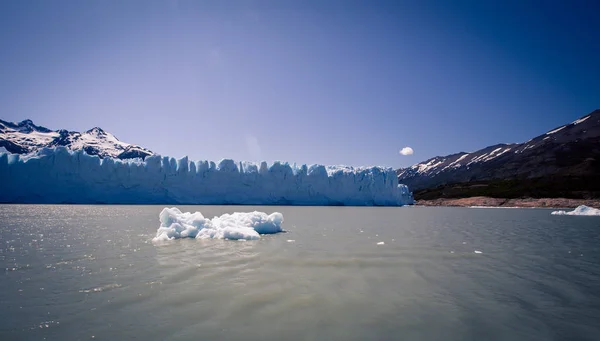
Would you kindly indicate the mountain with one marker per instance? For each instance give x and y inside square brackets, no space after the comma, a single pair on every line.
[26,137]
[564,161]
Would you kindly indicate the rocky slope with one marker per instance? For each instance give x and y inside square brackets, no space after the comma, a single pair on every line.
[500,202]
[25,137]
[567,153]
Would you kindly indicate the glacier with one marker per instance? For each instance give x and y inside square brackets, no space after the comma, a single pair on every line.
[580,210]
[239,225]
[58,175]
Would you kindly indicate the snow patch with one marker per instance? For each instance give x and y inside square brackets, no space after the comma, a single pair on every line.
[459,159]
[478,159]
[580,120]
[556,130]
[495,153]
[580,210]
[527,147]
[455,163]
[239,225]
[424,167]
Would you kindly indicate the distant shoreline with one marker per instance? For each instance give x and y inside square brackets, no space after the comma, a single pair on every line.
[503,202]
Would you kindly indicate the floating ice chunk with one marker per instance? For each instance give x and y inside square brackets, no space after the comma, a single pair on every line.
[477,251]
[102,288]
[380,243]
[239,225]
[580,210]
[291,240]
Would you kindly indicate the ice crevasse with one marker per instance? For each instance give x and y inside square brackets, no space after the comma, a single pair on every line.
[58,175]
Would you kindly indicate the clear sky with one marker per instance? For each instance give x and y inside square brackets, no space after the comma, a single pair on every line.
[331,82]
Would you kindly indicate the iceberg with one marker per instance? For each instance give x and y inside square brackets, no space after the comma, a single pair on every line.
[580,210]
[239,225]
[59,175]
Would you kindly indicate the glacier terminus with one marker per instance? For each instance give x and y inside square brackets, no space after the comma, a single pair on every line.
[59,175]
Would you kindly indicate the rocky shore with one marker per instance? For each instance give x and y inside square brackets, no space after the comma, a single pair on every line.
[500,202]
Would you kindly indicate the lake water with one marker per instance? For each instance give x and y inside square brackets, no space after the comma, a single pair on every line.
[93,272]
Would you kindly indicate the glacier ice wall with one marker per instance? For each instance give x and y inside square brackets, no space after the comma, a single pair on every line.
[58,175]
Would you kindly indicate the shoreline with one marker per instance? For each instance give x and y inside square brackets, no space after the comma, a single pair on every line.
[516,203]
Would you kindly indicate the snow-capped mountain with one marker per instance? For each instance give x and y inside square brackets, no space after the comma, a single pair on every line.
[25,137]
[569,150]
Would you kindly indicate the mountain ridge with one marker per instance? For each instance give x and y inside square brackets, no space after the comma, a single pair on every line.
[570,151]
[26,137]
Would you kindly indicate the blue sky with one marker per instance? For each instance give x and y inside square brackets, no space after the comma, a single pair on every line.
[331,82]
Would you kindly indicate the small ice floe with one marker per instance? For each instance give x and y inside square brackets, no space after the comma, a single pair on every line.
[175,224]
[291,240]
[102,288]
[381,243]
[580,210]
[477,251]
[45,324]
